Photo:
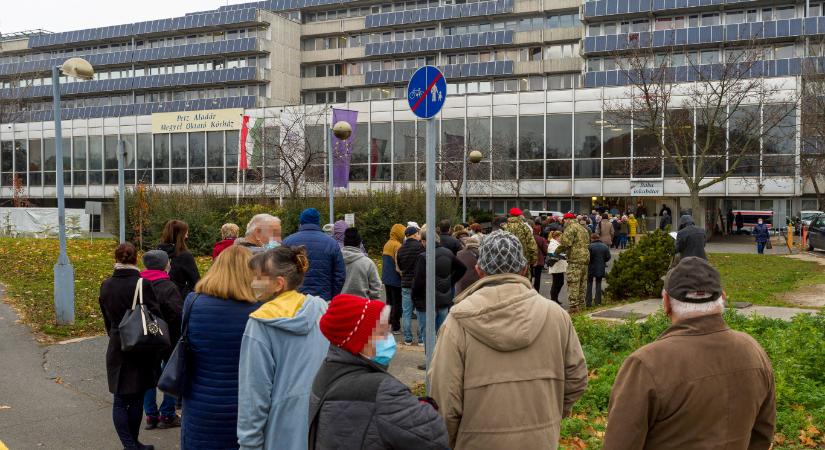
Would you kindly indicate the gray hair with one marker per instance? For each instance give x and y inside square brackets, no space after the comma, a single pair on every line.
[426,232]
[687,310]
[259,220]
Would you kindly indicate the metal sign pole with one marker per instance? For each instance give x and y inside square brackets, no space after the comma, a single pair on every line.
[121,190]
[429,344]
[331,181]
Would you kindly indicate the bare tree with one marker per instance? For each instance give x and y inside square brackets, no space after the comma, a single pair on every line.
[812,154]
[705,130]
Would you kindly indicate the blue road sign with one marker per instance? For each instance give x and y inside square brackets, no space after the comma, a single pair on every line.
[427,92]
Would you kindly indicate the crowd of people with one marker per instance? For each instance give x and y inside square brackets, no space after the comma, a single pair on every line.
[288,340]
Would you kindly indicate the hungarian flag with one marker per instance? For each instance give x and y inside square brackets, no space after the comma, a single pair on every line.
[243,164]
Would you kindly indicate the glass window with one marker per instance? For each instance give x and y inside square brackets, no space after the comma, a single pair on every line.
[531,137]
[35,162]
[404,142]
[380,142]
[733,17]
[359,144]
[767,14]
[161,155]
[743,139]
[785,52]
[559,136]
[710,19]
[478,138]
[452,149]
[95,160]
[79,163]
[616,136]
[780,123]
[504,138]
[587,130]
[231,154]
[587,168]
[785,12]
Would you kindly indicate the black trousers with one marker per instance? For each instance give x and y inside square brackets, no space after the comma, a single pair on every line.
[558,282]
[537,270]
[591,281]
[394,300]
[127,413]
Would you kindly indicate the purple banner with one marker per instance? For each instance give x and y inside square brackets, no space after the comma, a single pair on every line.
[342,149]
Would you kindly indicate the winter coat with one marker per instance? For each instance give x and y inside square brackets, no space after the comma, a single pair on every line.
[699,385]
[762,234]
[338,230]
[469,257]
[127,372]
[407,259]
[541,250]
[633,226]
[170,302]
[606,232]
[255,249]
[561,265]
[690,240]
[389,273]
[665,221]
[281,351]
[210,400]
[184,271]
[362,407]
[599,256]
[326,274]
[362,275]
[574,242]
[221,246]
[450,243]
[501,322]
[624,228]
[524,233]
[448,270]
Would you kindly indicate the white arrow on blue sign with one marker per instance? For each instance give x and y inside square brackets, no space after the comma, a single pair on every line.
[426,92]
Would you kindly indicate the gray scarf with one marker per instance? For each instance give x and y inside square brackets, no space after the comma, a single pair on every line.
[120,266]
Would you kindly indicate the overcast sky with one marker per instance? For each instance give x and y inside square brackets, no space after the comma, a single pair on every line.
[63,15]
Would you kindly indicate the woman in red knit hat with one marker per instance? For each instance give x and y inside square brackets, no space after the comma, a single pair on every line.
[355,404]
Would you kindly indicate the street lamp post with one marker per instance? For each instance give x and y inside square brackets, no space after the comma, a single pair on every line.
[475,157]
[63,270]
[342,130]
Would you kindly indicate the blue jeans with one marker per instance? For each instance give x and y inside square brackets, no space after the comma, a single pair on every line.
[760,248]
[406,314]
[150,404]
[440,317]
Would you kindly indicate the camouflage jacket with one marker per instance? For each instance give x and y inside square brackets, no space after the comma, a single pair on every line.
[574,242]
[522,231]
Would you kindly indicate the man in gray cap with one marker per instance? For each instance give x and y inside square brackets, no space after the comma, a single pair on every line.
[503,344]
[701,384]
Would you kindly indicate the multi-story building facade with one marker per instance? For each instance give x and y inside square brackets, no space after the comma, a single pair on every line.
[528,81]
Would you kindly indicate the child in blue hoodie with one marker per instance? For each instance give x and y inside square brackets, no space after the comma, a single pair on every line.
[281,351]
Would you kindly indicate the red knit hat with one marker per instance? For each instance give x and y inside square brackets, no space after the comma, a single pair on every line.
[569,216]
[516,212]
[349,321]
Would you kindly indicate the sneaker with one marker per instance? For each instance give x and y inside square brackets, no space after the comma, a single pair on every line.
[151,422]
[396,332]
[408,343]
[422,367]
[169,422]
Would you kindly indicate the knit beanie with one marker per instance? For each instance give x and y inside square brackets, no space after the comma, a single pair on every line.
[155,260]
[352,238]
[349,321]
[310,216]
[501,252]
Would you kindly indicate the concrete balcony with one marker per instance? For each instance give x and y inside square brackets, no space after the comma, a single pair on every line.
[339,82]
[552,35]
[550,5]
[525,6]
[335,54]
[558,65]
[332,26]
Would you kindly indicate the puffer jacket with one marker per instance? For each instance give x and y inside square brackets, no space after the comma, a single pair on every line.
[326,274]
[407,259]
[360,406]
[540,372]
[448,270]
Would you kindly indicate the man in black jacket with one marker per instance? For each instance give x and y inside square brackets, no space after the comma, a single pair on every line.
[596,269]
[406,258]
[448,270]
[447,240]
[355,404]
[690,240]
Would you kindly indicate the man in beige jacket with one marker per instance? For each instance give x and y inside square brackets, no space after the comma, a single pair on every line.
[700,385]
[508,364]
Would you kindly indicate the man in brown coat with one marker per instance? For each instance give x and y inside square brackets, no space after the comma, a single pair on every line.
[508,364]
[700,385]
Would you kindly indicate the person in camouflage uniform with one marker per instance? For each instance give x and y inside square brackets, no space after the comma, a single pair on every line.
[574,242]
[516,225]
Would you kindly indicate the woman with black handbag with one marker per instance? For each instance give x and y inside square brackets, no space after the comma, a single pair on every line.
[130,373]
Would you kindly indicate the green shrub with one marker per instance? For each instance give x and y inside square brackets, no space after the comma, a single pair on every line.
[639,270]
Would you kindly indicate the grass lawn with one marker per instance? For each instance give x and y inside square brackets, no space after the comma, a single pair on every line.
[27,273]
[761,279]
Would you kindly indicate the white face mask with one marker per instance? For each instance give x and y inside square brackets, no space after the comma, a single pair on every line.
[260,288]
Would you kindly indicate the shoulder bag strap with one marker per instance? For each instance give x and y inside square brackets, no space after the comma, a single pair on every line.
[138,293]
[186,315]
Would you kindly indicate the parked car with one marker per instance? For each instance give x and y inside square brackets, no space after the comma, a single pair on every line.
[806,216]
[816,233]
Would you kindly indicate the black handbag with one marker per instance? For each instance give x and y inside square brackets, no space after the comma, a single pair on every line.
[140,330]
[172,380]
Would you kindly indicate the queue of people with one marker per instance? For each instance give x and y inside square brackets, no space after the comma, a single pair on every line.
[288,342]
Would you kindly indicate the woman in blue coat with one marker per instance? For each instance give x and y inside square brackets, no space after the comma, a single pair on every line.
[217,312]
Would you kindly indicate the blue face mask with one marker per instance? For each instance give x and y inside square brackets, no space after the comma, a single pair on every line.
[385,351]
[272,244]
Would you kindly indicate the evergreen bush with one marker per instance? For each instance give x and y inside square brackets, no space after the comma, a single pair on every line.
[639,270]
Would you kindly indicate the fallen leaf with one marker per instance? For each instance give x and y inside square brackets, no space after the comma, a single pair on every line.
[5,407]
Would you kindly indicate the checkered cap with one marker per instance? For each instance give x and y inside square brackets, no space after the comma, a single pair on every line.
[501,252]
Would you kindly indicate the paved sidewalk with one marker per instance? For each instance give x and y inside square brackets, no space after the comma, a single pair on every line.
[644,309]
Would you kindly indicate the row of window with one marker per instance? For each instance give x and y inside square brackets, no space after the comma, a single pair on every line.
[367,10]
[532,83]
[174,41]
[710,56]
[694,20]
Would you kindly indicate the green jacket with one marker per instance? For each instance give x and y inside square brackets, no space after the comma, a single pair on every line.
[574,242]
[524,233]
